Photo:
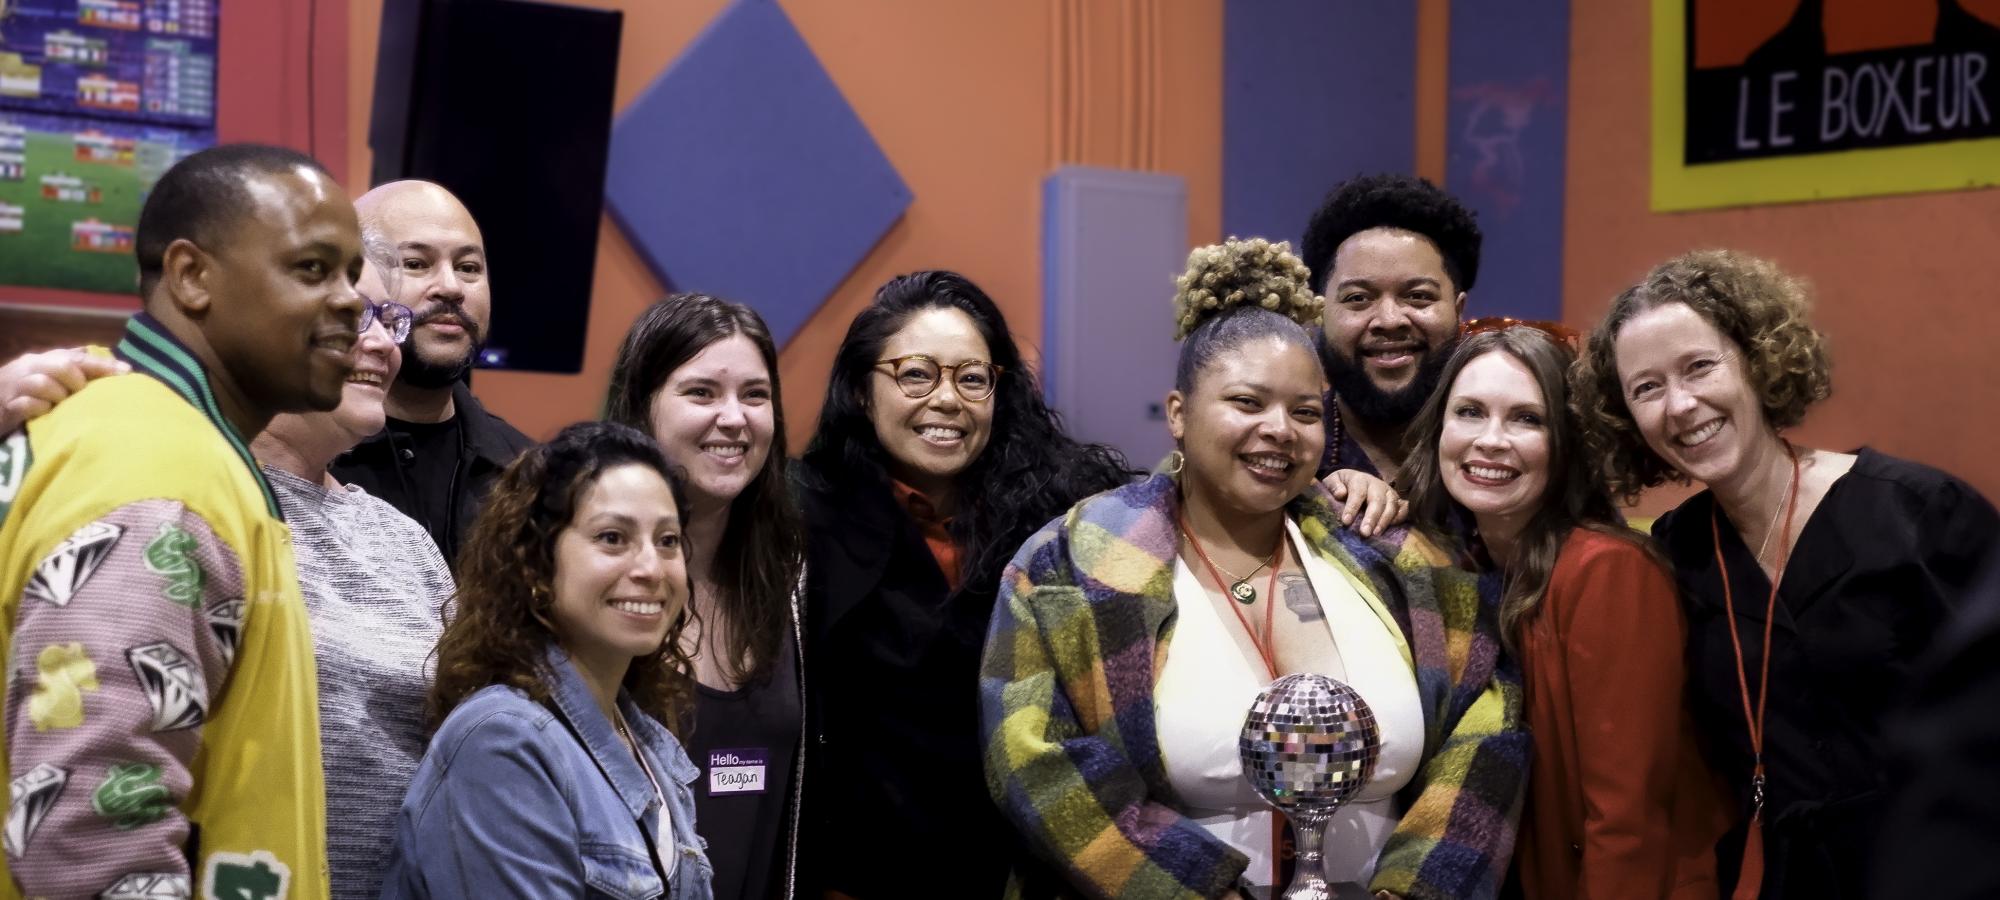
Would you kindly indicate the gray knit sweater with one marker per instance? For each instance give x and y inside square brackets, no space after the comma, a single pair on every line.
[375,586]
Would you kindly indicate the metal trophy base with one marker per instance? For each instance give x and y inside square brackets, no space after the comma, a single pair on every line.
[1337,890]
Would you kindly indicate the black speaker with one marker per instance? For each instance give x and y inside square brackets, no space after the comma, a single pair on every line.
[508,105]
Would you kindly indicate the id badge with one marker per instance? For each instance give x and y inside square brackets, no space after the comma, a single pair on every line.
[738,771]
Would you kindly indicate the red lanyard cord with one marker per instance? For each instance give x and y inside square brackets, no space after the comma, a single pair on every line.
[1265,652]
[1270,592]
[1753,717]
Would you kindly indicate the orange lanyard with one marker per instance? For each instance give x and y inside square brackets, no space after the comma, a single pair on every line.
[1750,877]
[1266,651]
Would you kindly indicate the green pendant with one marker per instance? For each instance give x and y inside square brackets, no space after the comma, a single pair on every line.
[1243,592]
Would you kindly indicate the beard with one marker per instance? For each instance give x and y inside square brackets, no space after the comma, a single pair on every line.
[1368,401]
[433,374]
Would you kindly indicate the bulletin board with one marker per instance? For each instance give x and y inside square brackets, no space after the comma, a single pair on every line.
[98,98]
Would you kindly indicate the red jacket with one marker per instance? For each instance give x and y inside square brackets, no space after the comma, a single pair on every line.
[1620,804]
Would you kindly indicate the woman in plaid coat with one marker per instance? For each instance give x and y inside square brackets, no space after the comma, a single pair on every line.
[1124,636]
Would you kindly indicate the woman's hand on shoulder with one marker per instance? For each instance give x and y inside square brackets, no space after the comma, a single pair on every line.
[1370,504]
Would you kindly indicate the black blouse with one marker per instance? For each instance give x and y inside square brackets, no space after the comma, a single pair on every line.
[896,803]
[745,742]
[1884,561]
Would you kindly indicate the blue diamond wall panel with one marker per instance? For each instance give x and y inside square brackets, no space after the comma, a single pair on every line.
[743,172]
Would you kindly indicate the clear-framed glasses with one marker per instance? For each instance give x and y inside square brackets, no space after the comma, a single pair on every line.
[918,375]
[395,316]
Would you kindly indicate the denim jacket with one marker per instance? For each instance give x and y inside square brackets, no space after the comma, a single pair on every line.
[508,803]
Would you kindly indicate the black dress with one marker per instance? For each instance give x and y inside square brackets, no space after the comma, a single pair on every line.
[1886,558]
[746,743]
[896,802]
[1939,842]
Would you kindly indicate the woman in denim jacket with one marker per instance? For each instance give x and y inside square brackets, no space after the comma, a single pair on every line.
[552,774]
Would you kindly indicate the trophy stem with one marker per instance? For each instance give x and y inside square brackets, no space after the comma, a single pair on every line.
[1309,874]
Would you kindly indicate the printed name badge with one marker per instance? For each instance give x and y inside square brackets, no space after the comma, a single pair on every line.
[736,771]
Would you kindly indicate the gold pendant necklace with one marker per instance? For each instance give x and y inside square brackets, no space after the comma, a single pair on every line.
[1239,587]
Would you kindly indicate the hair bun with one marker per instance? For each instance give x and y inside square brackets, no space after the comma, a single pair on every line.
[1244,272]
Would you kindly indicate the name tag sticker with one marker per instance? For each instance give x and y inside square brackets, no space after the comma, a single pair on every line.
[736,771]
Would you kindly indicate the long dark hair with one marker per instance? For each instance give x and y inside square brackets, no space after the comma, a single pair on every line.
[763,545]
[1030,471]
[507,572]
[1574,498]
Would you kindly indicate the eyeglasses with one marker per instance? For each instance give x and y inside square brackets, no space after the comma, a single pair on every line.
[395,316]
[1563,334]
[918,375]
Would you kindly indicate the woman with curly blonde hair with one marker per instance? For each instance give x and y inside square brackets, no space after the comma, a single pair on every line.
[1132,634]
[552,773]
[1812,579]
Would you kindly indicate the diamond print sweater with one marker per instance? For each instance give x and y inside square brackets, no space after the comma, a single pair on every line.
[159,659]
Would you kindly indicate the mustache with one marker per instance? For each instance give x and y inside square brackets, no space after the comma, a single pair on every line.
[445,312]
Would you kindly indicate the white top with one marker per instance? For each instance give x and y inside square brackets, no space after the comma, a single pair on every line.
[1207,685]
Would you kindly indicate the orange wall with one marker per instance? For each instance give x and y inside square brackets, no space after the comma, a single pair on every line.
[972,104]
[1906,294]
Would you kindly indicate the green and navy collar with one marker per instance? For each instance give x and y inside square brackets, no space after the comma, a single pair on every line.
[154,351]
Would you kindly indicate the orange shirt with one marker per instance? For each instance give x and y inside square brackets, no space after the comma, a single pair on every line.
[1621,806]
[936,529]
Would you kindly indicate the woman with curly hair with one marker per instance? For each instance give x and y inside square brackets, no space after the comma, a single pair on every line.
[700,374]
[1621,806]
[552,773]
[1132,634]
[1812,579]
[935,457]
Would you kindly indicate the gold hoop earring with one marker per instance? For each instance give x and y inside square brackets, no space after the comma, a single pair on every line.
[539,605]
[1176,461]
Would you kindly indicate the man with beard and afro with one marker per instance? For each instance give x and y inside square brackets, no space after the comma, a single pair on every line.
[440,449]
[1394,256]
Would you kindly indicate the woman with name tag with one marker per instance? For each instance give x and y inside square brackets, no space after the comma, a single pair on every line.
[1133,633]
[1621,806]
[701,375]
[1813,580]
[553,773]
[935,457]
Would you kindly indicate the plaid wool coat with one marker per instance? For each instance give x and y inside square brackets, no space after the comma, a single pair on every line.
[1080,630]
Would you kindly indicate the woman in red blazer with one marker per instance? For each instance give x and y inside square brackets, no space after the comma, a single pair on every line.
[1620,804]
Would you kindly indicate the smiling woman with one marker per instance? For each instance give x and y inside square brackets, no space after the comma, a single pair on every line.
[935,457]
[1162,598]
[1620,804]
[558,677]
[1693,374]
[700,374]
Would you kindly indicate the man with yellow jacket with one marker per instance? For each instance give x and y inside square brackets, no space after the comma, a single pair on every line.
[162,737]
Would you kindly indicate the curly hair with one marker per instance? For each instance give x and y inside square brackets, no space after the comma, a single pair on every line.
[1573,498]
[762,548]
[1244,271]
[1031,470]
[1756,305]
[1392,201]
[1237,291]
[507,572]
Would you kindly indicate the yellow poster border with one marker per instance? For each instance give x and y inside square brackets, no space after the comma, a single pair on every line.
[1948,166]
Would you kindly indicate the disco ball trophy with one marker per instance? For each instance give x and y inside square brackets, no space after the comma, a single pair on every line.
[1308,746]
